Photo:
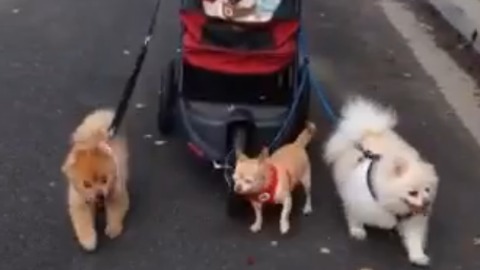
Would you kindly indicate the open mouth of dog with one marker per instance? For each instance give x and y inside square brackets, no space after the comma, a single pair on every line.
[417,209]
[98,202]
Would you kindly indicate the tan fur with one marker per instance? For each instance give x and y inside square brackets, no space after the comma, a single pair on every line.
[96,166]
[293,167]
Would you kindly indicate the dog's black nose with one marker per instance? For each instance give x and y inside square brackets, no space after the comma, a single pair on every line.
[99,197]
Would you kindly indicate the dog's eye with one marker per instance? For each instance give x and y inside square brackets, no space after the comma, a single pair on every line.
[413,193]
[427,190]
[87,184]
[103,180]
[248,181]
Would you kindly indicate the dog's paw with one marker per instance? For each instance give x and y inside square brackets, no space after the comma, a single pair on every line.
[307,210]
[284,227]
[358,233]
[419,259]
[88,242]
[256,227]
[113,231]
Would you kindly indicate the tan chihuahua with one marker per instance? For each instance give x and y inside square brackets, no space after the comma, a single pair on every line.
[271,179]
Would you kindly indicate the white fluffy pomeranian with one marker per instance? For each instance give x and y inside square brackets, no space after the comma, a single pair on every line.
[382,180]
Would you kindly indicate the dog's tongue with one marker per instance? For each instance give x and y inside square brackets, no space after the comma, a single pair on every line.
[100,204]
[415,209]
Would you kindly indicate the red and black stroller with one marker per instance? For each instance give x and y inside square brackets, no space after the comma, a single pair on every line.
[238,80]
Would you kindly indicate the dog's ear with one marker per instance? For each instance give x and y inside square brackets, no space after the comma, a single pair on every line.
[400,166]
[70,161]
[67,164]
[72,158]
[105,148]
[263,154]
[240,156]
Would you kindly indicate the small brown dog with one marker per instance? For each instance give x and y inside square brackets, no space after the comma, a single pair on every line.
[96,169]
[272,179]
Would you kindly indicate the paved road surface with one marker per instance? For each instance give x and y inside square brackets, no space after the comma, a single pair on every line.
[61,59]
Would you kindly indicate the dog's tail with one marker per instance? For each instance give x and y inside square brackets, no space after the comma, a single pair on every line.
[94,128]
[359,118]
[306,135]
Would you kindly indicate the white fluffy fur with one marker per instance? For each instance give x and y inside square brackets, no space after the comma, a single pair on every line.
[359,118]
[397,175]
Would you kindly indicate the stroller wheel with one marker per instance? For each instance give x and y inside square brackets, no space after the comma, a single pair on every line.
[166,99]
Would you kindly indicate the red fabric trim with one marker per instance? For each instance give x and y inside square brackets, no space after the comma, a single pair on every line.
[224,60]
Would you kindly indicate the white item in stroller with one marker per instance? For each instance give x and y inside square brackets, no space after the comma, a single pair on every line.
[241,11]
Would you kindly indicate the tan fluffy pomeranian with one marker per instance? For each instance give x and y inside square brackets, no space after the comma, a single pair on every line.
[96,170]
[271,179]
[381,179]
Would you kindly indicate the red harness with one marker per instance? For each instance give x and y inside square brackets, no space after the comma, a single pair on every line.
[267,194]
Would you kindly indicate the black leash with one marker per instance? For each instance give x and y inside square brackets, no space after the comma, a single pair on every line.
[132,80]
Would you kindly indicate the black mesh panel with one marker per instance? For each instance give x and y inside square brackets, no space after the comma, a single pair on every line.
[236,37]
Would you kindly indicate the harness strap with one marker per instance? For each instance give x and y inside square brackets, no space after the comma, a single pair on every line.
[267,195]
[368,154]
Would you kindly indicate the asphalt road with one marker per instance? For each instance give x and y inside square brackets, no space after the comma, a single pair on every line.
[59,59]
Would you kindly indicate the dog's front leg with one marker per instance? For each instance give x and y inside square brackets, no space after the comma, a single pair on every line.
[355,226]
[116,208]
[82,217]
[414,233]
[285,215]
[257,224]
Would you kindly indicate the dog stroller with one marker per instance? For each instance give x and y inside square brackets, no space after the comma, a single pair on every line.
[236,82]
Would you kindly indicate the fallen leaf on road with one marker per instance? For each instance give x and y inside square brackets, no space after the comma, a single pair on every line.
[274,243]
[325,250]
[365,268]
[476,241]
[140,106]
[159,142]
[250,260]
[15,11]
[126,52]
[426,26]
[407,75]
[147,136]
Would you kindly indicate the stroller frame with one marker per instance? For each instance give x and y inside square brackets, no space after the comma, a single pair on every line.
[216,125]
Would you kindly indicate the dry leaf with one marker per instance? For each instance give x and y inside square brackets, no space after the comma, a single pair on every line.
[325,250]
[159,142]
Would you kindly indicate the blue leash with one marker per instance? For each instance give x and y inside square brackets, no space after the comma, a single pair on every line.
[315,85]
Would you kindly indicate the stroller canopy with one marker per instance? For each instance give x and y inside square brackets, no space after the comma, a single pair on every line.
[240,37]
